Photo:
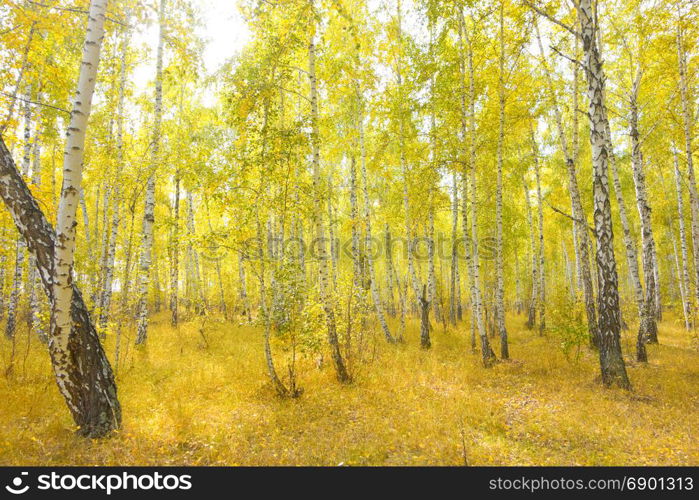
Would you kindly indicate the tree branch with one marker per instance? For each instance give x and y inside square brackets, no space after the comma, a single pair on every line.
[36,103]
[552,19]
[564,214]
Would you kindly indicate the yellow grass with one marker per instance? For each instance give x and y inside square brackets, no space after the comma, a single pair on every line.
[187,404]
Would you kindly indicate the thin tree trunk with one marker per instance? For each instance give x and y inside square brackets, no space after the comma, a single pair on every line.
[425,342]
[106,302]
[33,280]
[414,281]
[684,284]
[649,330]
[373,285]
[581,236]
[331,234]
[13,307]
[279,386]
[453,280]
[688,138]
[126,279]
[487,354]
[532,309]
[175,256]
[431,278]
[390,304]
[340,368]
[499,264]
[149,209]
[542,267]
[244,301]
[354,213]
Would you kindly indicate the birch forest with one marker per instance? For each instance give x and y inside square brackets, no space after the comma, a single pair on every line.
[351,232]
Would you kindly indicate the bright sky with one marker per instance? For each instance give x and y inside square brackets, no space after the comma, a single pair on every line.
[223,28]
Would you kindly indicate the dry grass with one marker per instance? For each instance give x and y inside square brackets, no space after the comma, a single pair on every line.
[184,403]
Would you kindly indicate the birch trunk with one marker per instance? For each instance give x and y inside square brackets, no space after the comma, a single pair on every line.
[612,364]
[33,280]
[688,138]
[582,241]
[465,153]
[72,179]
[487,354]
[244,300]
[431,278]
[388,242]
[376,297]
[15,294]
[629,244]
[340,369]
[686,301]
[279,386]
[83,373]
[532,309]
[126,278]
[425,342]
[175,256]
[453,275]
[542,267]
[331,234]
[354,213]
[649,330]
[149,209]
[106,302]
[415,283]
[499,264]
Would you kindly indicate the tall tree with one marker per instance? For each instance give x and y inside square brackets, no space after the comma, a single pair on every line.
[149,208]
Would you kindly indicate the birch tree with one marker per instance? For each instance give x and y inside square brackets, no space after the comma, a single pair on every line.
[149,209]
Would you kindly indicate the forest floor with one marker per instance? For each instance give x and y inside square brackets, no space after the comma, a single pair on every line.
[188,403]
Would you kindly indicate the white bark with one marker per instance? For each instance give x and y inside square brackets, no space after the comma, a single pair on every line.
[583,246]
[323,277]
[72,177]
[542,267]
[476,297]
[684,282]
[499,264]
[149,210]
[373,285]
[611,361]
[688,138]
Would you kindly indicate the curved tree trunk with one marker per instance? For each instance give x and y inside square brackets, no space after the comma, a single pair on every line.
[82,370]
